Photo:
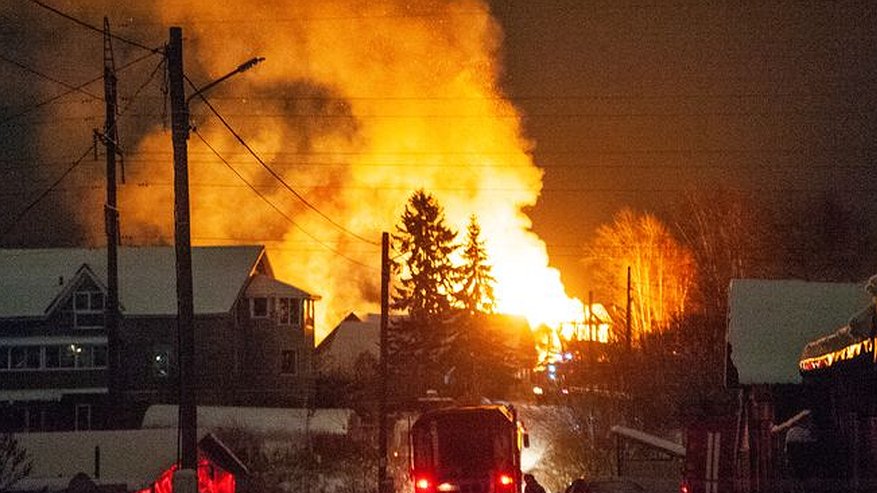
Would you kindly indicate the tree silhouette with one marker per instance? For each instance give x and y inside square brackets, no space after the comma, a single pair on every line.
[424,293]
[661,269]
[476,294]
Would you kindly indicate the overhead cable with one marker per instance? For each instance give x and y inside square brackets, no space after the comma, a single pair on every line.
[271,204]
[279,178]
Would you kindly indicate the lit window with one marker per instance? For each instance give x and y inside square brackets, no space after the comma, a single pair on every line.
[289,362]
[309,313]
[84,356]
[288,311]
[161,362]
[76,356]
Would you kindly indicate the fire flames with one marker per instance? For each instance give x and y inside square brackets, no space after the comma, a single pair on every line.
[357,105]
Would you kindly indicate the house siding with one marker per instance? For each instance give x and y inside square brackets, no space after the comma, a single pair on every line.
[238,362]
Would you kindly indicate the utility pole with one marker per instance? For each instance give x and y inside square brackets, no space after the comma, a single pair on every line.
[382,402]
[182,241]
[188,417]
[627,322]
[110,139]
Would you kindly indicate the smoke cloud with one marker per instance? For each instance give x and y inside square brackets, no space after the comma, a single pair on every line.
[356,105]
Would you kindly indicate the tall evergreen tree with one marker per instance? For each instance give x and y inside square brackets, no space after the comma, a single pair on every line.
[476,295]
[425,293]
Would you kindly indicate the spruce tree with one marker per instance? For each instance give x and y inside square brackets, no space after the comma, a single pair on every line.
[476,295]
[424,292]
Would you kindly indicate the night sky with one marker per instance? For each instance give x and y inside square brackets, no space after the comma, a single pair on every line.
[635,104]
[643,103]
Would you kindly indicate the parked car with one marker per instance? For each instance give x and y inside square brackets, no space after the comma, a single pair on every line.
[604,485]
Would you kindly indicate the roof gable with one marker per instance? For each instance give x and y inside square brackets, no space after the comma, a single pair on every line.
[262,285]
[83,275]
[32,280]
[348,341]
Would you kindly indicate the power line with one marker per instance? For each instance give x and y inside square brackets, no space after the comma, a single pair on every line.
[44,193]
[674,167]
[277,176]
[133,98]
[49,78]
[828,114]
[271,204]
[95,28]
[70,91]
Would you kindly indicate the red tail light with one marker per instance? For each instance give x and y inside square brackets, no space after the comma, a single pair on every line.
[423,485]
[505,482]
[683,488]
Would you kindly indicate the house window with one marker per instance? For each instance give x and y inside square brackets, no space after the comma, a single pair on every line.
[4,357]
[289,362]
[25,357]
[309,313]
[61,356]
[259,307]
[88,308]
[76,356]
[83,417]
[288,311]
[34,419]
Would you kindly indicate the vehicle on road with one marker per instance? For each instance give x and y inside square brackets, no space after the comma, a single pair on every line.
[469,449]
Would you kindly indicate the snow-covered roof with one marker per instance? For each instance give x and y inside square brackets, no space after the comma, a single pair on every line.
[770,323]
[257,419]
[672,448]
[265,286]
[352,338]
[134,458]
[31,280]
[851,341]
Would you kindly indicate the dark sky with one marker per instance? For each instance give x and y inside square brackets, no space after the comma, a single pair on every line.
[628,103]
[641,103]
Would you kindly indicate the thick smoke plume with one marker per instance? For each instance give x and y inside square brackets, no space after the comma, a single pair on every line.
[357,104]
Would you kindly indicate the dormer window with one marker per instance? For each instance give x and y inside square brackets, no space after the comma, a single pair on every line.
[88,309]
[288,311]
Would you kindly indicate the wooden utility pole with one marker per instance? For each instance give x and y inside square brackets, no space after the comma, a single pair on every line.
[627,322]
[382,402]
[111,219]
[182,241]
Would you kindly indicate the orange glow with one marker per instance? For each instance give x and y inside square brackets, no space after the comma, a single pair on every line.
[356,105]
[505,480]
[661,269]
[211,479]
[422,484]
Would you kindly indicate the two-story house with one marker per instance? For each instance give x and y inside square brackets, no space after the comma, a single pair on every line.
[254,335]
